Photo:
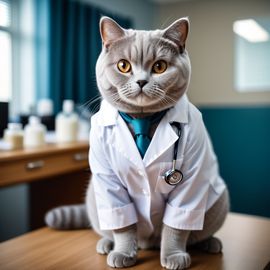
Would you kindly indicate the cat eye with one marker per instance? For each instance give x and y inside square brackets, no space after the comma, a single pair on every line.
[124,66]
[159,67]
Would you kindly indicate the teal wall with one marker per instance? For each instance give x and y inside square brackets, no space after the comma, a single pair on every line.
[241,139]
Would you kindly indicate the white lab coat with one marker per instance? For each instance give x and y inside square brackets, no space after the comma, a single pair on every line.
[129,189]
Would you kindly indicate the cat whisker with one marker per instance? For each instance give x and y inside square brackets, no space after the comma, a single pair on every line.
[157,92]
[160,94]
[87,105]
[126,91]
[168,100]
[171,99]
[89,102]
[94,109]
[157,95]
[113,94]
[114,97]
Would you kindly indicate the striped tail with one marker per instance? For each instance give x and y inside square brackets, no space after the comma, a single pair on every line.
[68,217]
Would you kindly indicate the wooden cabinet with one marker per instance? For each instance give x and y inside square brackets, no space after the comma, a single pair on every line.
[33,164]
[57,174]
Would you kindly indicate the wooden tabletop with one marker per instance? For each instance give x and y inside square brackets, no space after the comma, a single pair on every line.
[246,241]
[47,149]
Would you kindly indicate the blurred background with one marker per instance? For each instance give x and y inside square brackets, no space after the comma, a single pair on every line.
[48,50]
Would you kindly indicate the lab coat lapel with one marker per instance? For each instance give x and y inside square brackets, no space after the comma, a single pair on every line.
[165,135]
[124,143]
[162,140]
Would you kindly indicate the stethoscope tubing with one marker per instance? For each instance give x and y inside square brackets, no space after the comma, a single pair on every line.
[174,176]
[179,131]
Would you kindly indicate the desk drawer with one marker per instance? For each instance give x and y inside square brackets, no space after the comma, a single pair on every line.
[42,166]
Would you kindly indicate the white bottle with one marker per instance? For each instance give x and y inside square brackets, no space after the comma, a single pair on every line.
[13,136]
[67,123]
[45,107]
[34,133]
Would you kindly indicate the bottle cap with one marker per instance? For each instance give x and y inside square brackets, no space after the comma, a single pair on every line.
[34,120]
[68,106]
[14,126]
[45,107]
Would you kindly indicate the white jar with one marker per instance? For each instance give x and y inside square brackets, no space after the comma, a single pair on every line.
[67,123]
[34,133]
[13,136]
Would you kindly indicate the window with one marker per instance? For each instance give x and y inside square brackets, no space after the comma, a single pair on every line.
[5,51]
[17,55]
[252,55]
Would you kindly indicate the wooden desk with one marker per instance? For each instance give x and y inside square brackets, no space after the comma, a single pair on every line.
[56,174]
[246,241]
[20,166]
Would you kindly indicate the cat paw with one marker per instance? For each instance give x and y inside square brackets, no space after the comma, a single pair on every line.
[119,260]
[176,261]
[104,246]
[211,245]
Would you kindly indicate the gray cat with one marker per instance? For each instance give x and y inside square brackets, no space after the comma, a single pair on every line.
[143,75]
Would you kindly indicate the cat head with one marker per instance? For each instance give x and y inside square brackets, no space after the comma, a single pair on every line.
[143,71]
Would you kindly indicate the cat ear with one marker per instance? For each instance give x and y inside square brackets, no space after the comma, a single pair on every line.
[177,32]
[110,31]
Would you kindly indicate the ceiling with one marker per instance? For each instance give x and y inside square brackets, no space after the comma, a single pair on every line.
[167,1]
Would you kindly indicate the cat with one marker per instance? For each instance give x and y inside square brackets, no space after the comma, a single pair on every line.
[142,74]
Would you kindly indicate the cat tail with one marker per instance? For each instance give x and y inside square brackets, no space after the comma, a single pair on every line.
[68,217]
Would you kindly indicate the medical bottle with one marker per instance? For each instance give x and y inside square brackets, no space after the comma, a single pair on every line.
[13,136]
[34,133]
[67,123]
[45,112]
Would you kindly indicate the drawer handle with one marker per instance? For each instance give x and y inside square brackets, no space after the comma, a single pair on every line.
[80,156]
[35,165]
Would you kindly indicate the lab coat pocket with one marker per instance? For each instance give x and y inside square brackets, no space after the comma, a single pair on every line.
[161,185]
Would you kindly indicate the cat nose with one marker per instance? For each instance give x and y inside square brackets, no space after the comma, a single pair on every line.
[142,83]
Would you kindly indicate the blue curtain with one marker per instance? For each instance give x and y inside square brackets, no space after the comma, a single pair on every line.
[73,47]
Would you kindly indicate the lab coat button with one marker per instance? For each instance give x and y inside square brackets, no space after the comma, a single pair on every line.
[140,172]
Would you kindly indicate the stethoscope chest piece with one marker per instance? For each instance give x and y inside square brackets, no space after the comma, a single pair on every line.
[173,177]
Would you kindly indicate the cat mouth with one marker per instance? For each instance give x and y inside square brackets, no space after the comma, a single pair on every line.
[141,100]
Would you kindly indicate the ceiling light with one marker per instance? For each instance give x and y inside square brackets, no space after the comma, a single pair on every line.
[250,30]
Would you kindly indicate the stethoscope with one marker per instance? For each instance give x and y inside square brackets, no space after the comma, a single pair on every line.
[174,176]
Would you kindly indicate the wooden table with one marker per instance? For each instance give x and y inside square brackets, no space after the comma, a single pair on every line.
[246,241]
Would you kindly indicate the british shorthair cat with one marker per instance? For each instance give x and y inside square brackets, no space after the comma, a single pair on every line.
[145,128]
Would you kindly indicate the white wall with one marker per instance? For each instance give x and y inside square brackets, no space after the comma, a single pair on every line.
[211,47]
[141,12]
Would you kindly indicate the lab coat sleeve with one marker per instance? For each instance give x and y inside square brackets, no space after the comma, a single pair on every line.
[114,207]
[186,204]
